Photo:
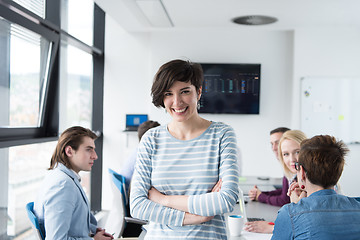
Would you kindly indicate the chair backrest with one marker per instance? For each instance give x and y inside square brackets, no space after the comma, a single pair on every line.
[120,182]
[115,222]
[35,223]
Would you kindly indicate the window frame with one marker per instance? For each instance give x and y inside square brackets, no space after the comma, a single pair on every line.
[15,136]
[98,103]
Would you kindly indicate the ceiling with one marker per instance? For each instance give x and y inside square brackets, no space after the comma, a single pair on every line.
[195,14]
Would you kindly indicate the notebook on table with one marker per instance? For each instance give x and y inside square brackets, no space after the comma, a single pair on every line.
[133,121]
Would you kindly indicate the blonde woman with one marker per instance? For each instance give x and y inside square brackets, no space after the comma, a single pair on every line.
[289,148]
[276,197]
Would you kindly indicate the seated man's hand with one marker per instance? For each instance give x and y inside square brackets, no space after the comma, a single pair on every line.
[102,235]
[254,193]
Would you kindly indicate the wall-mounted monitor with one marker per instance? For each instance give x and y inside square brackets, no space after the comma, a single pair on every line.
[230,88]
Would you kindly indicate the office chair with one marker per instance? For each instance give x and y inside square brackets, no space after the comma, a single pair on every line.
[119,220]
[35,223]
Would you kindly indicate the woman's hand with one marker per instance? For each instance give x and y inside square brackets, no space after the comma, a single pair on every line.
[259,227]
[179,202]
[254,193]
[192,219]
[102,235]
[217,186]
[156,196]
[174,201]
[296,193]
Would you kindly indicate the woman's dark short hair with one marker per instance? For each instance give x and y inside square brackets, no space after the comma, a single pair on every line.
[323,159]
[73,137]
[170,72]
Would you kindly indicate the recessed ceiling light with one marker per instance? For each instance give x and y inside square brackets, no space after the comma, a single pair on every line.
[254,20]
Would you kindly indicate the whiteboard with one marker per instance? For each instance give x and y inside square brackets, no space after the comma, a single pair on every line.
[331,106]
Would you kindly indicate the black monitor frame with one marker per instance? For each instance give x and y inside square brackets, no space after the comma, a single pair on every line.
[230,88]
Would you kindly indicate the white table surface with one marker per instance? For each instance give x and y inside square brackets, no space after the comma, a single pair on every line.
[256,209]
[263,183]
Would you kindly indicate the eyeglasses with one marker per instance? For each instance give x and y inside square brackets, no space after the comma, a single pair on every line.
[297,166]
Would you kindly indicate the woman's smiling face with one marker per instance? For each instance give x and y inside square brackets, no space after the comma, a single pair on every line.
[290,153]
[181,101]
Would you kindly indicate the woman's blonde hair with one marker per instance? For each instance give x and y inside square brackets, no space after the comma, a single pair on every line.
[295,135]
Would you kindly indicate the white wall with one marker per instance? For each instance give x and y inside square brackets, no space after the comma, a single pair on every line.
[329,52]
[324,52]
[127,61]
[285,56]
[131,61]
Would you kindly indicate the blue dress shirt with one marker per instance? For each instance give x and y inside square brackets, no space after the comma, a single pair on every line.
[323,215]
[62,207]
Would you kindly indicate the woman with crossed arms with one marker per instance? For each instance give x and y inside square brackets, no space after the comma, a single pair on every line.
[179,164]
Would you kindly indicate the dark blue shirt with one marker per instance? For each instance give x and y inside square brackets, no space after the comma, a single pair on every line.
[323,215]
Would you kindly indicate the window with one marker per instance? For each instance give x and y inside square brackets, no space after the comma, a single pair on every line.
[36,105]
[37,6]
[76,71]
[28,55]
[24,75]
[76,94]
[27,167]
[76,87]
[78,23]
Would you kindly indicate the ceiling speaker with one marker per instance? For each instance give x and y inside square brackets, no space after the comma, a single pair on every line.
[254,20]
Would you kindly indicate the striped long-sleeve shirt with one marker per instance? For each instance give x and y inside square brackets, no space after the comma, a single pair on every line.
[191,167]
